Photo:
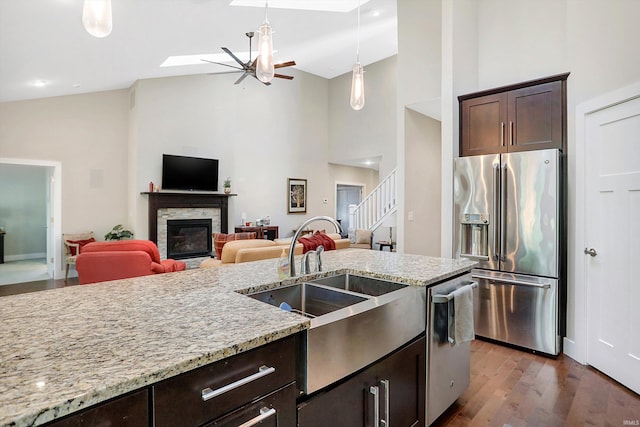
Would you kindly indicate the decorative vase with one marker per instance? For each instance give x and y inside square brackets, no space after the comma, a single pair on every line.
[227,190]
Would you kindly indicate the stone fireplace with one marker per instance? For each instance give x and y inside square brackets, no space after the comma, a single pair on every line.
[192,212]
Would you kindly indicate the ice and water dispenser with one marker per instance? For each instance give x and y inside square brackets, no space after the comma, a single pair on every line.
[474,235]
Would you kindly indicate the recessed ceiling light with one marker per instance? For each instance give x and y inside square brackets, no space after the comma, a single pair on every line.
[39,83]
[320,5]
[75,85]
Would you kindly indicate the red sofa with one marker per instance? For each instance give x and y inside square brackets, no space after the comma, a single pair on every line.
[121,259]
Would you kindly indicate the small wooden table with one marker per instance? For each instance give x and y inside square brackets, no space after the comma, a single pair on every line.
[385,244]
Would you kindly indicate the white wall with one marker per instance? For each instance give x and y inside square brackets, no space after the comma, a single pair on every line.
[422,184]
[261,135]
[88,135]
[23,210]
[419,76]
[370,132]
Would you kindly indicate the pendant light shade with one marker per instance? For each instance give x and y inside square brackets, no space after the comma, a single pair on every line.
[357,80]
[96,17]
[357,87]
[265,69]
[264,66]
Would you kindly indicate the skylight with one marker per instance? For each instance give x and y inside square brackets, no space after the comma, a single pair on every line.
[318,5]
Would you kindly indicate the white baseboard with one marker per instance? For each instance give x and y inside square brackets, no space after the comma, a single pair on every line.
[22,257]
[574,351]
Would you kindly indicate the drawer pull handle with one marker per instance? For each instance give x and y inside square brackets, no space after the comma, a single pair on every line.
[263,371]
[375,391]
[264,414]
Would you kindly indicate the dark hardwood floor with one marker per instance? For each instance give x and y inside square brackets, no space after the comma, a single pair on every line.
[42,285]
[510,387]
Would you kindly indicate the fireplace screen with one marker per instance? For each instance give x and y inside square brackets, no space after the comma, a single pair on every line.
[188,238]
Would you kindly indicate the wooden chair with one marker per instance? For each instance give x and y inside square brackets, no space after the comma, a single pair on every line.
[73,242]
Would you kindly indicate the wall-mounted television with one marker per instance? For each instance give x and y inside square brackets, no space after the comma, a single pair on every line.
[189,173]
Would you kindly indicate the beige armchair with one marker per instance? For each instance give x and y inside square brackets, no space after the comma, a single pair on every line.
[363,239]
[73,242]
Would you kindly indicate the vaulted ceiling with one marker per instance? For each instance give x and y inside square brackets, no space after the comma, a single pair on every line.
[44,41]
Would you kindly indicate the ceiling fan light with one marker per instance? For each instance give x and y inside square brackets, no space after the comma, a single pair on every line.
[357,87]
[96,17]
[265,69]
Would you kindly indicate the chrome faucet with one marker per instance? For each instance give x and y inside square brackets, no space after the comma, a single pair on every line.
[294,240]
[304,263]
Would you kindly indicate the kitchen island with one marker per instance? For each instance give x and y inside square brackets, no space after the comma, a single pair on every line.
[67,349]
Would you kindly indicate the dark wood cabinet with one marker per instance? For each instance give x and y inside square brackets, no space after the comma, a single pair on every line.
[277,409]
[131,410]
[393,389]
[205,394]
[522,117]
[483,122]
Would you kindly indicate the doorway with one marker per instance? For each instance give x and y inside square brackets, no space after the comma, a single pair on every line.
[609,131]
[346,195]
[31,220]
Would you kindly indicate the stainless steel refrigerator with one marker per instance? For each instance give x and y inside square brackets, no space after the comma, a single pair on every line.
[508,217]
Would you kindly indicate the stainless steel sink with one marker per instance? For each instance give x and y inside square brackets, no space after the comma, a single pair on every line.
[355,321]
[361,284]
[307,299]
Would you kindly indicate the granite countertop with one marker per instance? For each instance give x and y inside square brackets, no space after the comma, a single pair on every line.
[66,349]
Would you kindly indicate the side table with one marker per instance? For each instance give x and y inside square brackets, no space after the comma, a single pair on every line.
[385,244]
[271,231]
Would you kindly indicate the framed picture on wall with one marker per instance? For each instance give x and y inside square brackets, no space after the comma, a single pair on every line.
[297,189]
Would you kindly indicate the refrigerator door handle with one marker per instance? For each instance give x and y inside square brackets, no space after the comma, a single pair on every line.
[503,211]
[496,213]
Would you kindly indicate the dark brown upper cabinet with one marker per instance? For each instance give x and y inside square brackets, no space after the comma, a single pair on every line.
[521,117]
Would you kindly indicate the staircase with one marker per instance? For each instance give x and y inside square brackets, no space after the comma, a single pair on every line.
[379,204]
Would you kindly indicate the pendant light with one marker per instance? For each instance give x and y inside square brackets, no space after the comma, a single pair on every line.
[265,69]
[357,80]
[96,17]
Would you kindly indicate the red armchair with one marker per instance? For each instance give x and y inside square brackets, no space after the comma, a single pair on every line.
[121,259]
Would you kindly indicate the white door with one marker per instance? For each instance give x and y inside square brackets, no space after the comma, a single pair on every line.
[612,213]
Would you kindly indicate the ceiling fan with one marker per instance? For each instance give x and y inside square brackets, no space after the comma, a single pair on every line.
[249,68]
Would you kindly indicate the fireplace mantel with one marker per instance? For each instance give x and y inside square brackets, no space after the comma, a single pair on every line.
[165,199]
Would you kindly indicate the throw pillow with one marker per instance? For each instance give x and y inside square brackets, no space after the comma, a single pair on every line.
[219,239]
[80,244]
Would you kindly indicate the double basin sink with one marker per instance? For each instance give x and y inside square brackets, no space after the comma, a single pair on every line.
[355,320]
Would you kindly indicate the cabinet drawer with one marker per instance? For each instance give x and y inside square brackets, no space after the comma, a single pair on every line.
[206,393]
[131,410]
[277,409]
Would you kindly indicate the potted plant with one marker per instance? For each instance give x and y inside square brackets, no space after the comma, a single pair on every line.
[227,185]
[118,233]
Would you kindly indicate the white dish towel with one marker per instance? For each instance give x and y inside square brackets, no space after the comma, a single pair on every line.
[461,322]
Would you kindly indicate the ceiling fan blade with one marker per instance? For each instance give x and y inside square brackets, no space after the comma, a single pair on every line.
[220,63]
[285,64]
[244,66]
[242,77]
[282,76]
[225,72]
